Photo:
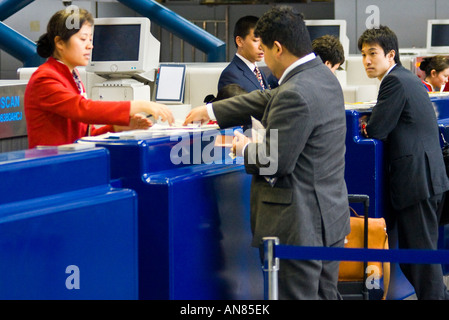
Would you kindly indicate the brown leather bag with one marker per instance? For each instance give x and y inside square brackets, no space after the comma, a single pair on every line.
[377,239]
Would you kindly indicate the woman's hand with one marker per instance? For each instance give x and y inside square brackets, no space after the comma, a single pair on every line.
[136,122]
[157,110]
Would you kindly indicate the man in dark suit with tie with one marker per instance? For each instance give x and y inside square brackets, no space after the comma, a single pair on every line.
[243,69]
[404,118]
[298,191]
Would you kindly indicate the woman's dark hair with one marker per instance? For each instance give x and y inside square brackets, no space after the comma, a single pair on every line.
[384,37]
[64,23]
[286,26]
[437,63]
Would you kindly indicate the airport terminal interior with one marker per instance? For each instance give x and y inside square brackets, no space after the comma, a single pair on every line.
[165,212]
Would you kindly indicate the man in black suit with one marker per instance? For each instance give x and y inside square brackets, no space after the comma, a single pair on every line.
[405,119]
[243,69]
[298,191]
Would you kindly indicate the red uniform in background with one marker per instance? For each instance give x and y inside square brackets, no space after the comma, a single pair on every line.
[57,111]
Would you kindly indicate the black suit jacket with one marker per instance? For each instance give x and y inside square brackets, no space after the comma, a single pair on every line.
[405,119]
[238,72]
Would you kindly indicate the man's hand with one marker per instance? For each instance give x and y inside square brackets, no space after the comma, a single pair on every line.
[198,114]
[362,122]
[238,143]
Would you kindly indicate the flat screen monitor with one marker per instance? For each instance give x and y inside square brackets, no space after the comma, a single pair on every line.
[170,83]
[124,47]
[337,28]
[438,36]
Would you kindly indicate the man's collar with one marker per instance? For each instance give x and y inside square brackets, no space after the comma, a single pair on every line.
[250,65]
[388,71]
[298,62]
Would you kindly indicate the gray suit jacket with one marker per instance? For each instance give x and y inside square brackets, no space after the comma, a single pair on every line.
[405,119]
[308,204]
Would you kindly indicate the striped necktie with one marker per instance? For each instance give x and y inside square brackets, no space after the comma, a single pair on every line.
[259,77]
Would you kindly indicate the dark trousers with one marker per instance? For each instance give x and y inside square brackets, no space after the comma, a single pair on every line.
[309,280]
[418,229]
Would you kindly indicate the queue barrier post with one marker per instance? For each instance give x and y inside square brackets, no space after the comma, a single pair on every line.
[273,252]
[270,268]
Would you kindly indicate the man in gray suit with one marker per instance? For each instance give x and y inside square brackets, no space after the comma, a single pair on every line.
[298,191]
[405,119]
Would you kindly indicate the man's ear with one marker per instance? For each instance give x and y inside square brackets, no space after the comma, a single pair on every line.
[391,54]
[239,41]
[278,47]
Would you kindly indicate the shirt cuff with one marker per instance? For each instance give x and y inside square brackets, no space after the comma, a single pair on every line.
[243,149]
[210,111]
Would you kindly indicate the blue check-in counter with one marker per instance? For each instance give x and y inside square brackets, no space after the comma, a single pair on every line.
[443,239]
[193,218]
[65,233]
[441,104]
[366,173]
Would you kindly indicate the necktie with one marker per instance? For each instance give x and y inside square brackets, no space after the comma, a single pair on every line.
[259,77]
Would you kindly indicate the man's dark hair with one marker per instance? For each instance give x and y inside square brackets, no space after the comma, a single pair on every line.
[285,25]
[243,26]
[384,37]
[329,48]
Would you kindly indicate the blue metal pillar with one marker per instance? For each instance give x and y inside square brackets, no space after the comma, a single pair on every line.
[9,7]
[14,43]
[19,46]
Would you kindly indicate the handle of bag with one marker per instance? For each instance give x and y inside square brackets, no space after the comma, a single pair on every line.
[386,265]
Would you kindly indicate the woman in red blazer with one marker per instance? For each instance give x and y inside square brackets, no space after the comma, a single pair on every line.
[437,73]
[56,108]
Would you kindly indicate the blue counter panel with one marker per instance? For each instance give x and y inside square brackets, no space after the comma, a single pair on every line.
[37,173]
[136,157]
[87,238]
[194,231]
[65,233]
[364,172]
[196,221]
[441,105]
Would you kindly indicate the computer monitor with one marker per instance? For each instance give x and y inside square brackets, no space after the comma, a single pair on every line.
[438,36]
[124,47]
[337,28]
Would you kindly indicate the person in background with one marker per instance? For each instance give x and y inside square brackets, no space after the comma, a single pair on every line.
[56,108]
[228,91]
[436,70]
[330,50]
[404,119]
[298,190]
[243,69]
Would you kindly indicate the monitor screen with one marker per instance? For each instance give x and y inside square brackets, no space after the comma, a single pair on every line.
[438,36]
[124,47]
[319,31]
[116,42]
[337,28]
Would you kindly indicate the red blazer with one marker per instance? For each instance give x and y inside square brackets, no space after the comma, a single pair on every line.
[56,113]
[427,86]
